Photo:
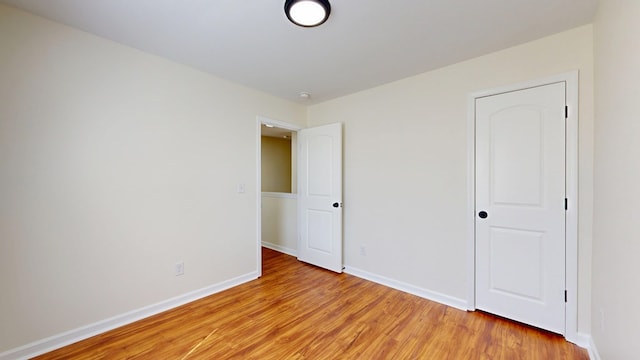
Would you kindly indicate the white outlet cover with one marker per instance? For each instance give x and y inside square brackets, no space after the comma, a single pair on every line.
[179,269]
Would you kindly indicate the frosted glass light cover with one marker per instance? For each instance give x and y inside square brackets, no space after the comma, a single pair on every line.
[307,13]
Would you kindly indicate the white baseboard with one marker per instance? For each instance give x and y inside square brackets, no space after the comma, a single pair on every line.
[591,348]
[282,249]
[585,341]
[408,288]
[398,285]
[57,341]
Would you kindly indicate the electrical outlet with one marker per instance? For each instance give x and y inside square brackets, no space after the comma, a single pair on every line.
[363,250]
[179,268]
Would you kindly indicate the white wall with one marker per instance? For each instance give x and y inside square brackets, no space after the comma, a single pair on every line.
[279,222]
[616,242]
[405,164]
[114,165]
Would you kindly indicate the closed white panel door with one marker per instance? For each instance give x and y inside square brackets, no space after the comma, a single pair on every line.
[320,196]
[520,205]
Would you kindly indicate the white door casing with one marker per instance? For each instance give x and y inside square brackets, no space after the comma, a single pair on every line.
[520,186]
[320,196]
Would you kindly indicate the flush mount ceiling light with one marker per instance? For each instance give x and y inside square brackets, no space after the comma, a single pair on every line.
[307,13]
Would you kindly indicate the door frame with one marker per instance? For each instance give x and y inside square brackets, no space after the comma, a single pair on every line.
[571,178]
[262,120]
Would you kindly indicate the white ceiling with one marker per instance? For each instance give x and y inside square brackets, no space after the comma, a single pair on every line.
[364,43]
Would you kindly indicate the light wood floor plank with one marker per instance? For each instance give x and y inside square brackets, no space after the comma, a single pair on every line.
[297,311]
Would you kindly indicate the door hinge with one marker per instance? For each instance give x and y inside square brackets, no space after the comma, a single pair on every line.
[566,112]
[565,296]
[566,204]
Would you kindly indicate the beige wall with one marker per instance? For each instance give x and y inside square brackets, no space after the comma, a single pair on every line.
[279,222]
[405,161]
[276,164]
[114,165]
[616,242]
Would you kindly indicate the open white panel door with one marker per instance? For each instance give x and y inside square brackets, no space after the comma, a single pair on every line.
[320,196]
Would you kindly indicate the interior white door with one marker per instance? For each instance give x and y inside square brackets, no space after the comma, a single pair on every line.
[520,205]
[320,196]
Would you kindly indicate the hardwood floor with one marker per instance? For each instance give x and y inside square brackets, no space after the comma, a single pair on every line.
[297,311]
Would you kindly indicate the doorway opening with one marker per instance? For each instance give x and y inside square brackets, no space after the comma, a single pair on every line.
[309,219]
[277,187]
